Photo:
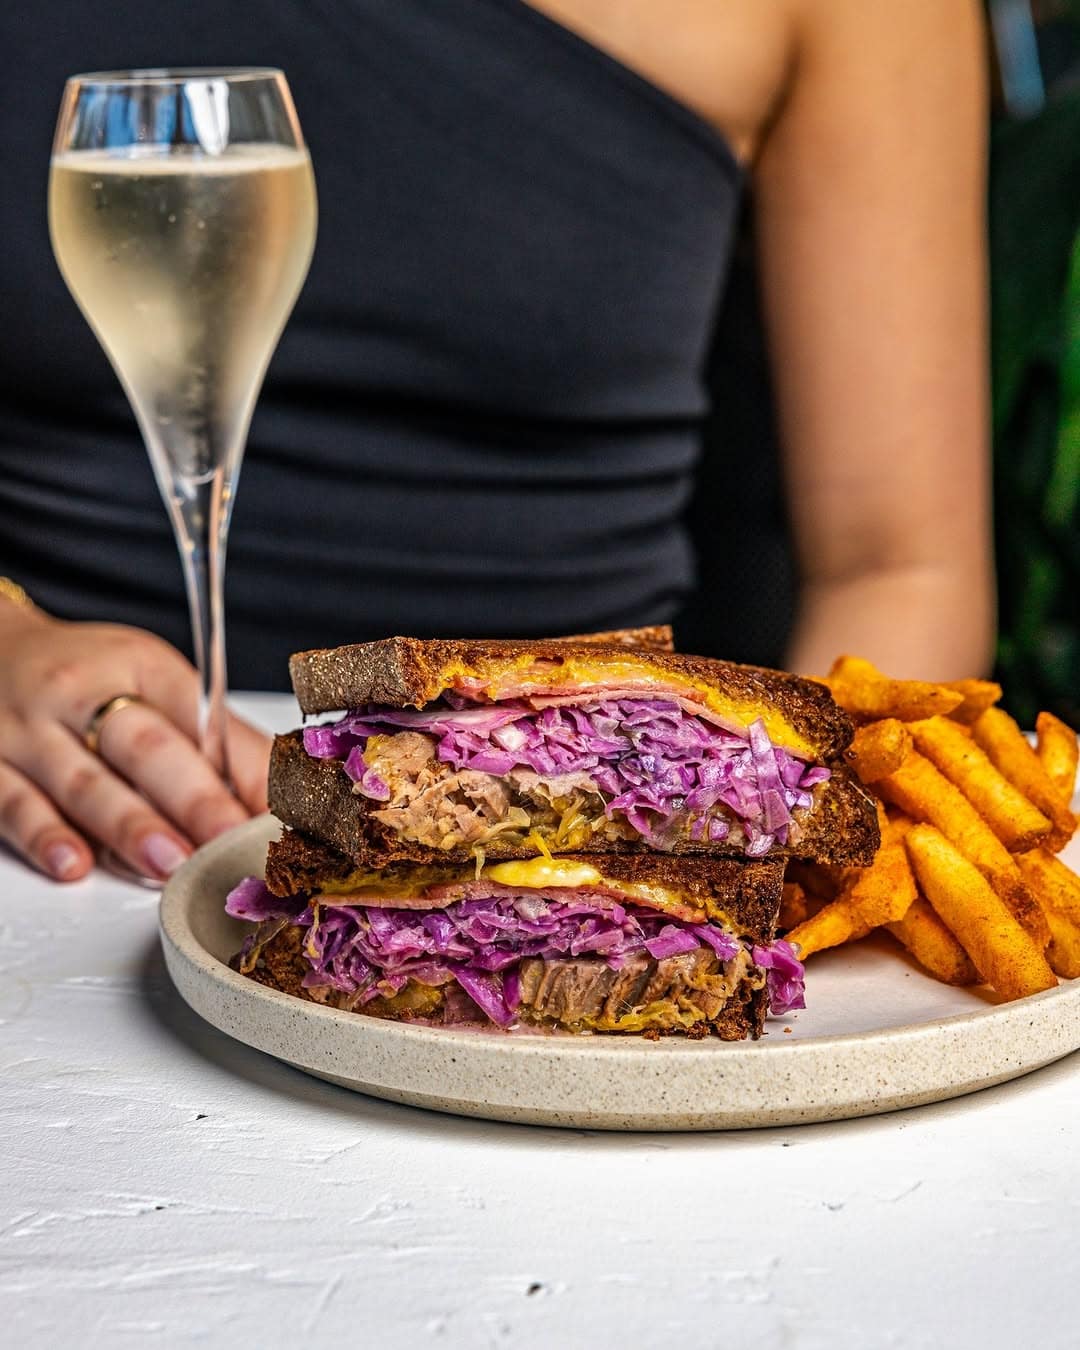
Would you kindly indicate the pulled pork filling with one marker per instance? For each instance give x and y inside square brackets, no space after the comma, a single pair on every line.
[587,962]
[458,774]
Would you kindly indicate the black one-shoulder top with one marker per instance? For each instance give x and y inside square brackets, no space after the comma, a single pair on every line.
[485,413]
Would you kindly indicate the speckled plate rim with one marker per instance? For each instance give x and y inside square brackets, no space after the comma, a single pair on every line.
[625,1083]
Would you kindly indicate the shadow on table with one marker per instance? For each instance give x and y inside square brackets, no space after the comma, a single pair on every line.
[266,1074]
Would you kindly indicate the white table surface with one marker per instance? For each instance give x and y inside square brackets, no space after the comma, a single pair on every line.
[161,1185]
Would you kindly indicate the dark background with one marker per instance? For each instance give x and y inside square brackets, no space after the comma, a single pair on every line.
[1035,308]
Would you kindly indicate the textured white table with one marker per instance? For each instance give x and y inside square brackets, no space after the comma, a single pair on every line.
[161,1185]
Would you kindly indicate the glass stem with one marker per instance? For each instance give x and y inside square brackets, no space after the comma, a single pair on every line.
[200,514]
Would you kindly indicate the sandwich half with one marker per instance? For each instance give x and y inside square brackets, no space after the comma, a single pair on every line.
[443,751]
[589,943]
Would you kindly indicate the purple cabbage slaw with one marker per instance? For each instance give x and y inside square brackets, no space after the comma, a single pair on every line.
[657,765]
[785,976]
[480,942]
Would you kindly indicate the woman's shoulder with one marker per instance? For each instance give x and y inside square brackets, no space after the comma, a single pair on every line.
[737,63]
[727,62]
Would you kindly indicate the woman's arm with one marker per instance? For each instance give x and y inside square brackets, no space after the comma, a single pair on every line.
[870,193]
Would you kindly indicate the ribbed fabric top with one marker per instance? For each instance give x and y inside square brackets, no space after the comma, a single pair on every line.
[485,413]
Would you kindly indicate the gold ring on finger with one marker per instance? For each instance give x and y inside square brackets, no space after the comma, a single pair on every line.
[92,734]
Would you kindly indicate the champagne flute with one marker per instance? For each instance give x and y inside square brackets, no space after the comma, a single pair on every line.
[182,215]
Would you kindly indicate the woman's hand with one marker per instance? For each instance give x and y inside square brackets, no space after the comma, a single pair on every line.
[148,794]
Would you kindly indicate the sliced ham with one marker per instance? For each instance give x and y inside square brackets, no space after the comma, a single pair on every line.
[559,696]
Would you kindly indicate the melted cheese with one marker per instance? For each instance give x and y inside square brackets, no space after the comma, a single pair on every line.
[530,874]
[545,873]
[407,885]
[537,874]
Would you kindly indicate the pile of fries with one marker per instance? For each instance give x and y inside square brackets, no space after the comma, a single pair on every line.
[972,818]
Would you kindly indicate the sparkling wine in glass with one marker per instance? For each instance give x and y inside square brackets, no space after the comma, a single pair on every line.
[182,214]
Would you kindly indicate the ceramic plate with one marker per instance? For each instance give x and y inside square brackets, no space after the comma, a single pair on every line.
[878,1035]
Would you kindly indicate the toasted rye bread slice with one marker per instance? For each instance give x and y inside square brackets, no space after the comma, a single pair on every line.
[657,635]
[316,796]
[281,966]
[405,672]
[747,892]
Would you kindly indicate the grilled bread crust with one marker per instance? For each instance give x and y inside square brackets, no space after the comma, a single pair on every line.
[282,966]
[655,635]
[403,672]
[748,891]
[316,796]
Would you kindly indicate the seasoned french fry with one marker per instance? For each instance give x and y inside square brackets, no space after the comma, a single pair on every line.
[1058,749]
[1019,825]
[897,824]
[1057,888]
[1005,744]
[795,907]
[879,748]
[1005,956]
[831,926]
[862,690]
[978,695]
[927,795]
[883,892]
[975,817]
[1055,885]
[1064,950]
[932,944]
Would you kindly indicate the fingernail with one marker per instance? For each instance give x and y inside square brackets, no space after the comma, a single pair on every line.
[62,860]
[163,854]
